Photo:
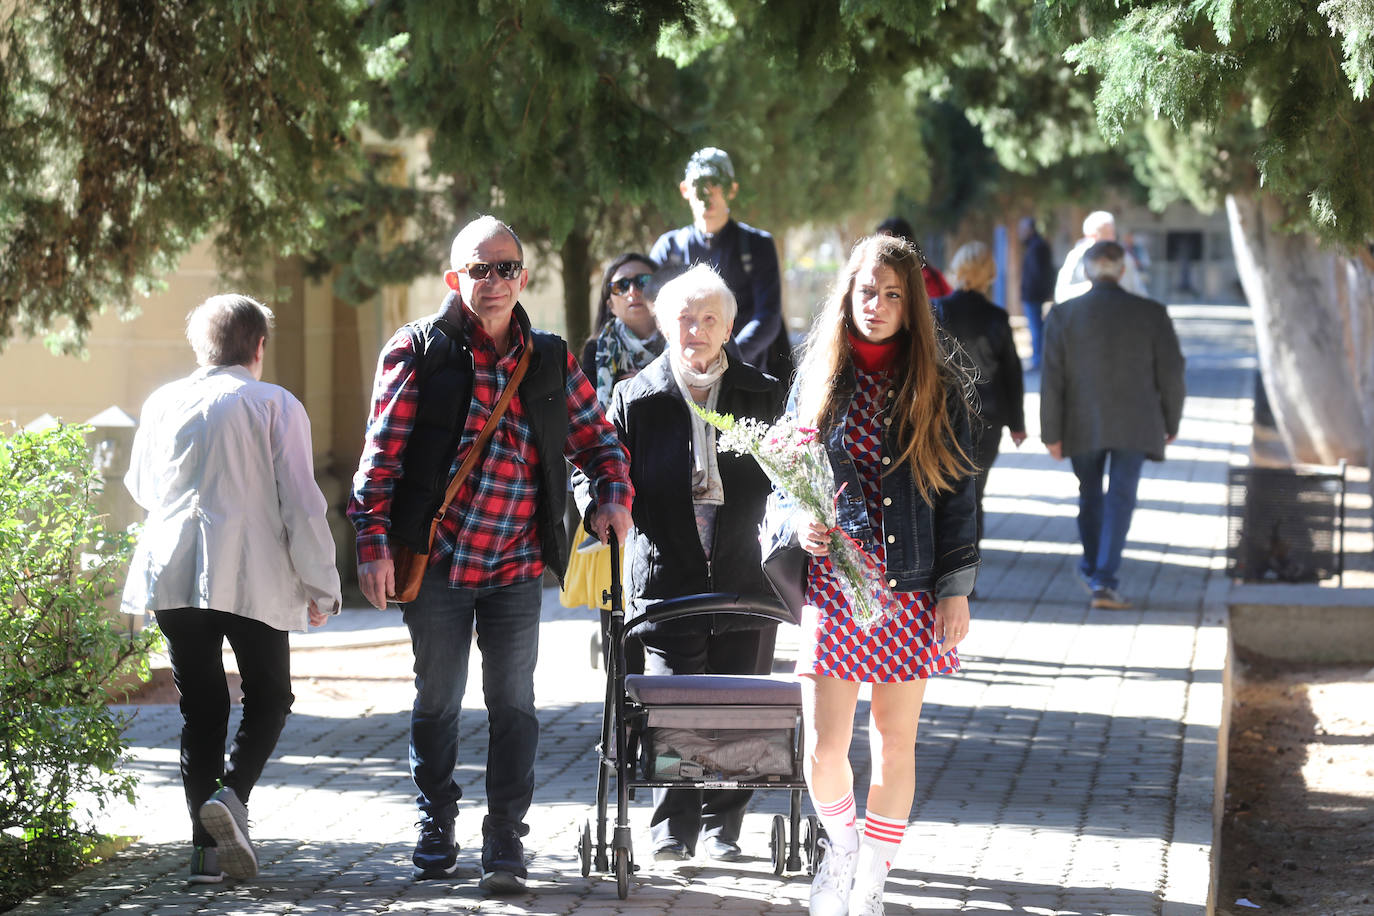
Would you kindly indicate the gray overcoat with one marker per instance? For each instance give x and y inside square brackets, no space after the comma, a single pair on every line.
[1112,375]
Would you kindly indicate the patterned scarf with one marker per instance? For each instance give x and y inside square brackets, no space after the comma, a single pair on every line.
[619,353]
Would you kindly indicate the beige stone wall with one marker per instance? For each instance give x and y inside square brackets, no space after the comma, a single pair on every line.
[126,360]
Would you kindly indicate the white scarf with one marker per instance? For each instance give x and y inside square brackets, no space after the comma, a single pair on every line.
[706,485]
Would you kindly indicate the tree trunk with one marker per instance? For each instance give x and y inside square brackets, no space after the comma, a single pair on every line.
[575,253]
[1355,287]
[1311,308]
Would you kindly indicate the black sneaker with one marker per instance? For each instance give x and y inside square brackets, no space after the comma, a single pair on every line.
[436,854]
[1109,599]
[723,850]
[503,863]
[672,851]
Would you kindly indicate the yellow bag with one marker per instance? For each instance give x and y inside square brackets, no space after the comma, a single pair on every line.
[588,576]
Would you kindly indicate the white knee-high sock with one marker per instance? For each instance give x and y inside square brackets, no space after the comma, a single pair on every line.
[877,849]
[837,817]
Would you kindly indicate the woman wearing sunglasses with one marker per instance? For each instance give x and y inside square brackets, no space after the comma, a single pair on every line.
[625,338]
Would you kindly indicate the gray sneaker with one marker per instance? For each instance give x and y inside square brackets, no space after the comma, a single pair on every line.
[1108,599]
[225,817]
[205,866]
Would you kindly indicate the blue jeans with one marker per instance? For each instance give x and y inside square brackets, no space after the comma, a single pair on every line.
[1103,523]
[441,622]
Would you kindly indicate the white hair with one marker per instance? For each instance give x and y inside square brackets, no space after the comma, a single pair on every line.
[1096,221]
[1104,261]
[698,283]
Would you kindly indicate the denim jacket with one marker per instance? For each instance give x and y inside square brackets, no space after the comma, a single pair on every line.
[930,546]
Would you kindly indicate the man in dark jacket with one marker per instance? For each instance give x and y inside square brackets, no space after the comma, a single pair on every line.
[1111,396]
[744,257]
[438,382]
[1037,283]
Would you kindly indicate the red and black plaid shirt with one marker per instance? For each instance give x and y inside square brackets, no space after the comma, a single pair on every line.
[490,532]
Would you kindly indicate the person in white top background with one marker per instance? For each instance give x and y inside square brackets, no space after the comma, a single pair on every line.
[235,547]
[1098,226]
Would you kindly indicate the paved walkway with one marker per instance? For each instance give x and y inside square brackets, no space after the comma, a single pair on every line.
[1068,770]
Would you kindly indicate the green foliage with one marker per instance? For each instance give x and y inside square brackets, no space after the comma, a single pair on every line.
[548,115]
[573,120]
[128,132]
[60,745]
[1007,128]
[1260,93]
[812,105]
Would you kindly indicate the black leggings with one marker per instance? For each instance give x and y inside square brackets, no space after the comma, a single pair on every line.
[195,639]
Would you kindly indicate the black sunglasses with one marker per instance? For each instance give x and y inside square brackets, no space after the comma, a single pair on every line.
[622,286]
[506,270]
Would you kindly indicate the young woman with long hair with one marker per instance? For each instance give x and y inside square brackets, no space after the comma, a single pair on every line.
[892,409]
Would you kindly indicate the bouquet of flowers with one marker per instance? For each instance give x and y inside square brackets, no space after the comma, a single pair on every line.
[796,463]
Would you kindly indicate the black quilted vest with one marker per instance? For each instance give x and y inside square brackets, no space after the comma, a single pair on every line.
[444,369]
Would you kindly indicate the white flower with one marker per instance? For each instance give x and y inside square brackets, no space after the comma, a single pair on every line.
[795,461]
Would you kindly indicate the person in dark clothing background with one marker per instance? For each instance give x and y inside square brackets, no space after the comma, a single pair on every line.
[1037,282]
[984,333]
[935,282]
[745,258]
[1111,398]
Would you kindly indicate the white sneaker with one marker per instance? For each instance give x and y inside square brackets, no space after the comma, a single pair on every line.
[870,874]
[834,877]
[866,901]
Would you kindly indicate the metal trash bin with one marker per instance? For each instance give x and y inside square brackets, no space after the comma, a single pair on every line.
[1285,525]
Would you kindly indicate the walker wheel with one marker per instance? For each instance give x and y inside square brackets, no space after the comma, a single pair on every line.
[622,873]
[777,844]
[811,835]
[584,849]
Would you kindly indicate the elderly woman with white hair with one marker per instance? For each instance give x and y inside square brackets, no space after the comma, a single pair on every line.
[235,547]
[697,512]
[984,333]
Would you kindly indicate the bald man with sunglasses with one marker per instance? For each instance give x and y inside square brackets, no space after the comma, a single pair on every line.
[439,381]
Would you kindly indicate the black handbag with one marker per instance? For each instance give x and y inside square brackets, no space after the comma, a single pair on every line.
[784,561]
[785,569]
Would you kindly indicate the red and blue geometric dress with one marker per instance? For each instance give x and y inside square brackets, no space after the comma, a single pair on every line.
[902,648]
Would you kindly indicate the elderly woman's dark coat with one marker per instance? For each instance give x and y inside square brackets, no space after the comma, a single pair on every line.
[654,422]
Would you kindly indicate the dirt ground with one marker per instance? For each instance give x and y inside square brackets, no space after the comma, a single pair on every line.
[1298,834]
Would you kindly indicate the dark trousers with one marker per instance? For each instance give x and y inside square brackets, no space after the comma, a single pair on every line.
[1035,323]
[441,622]
[195,639]
[688,647]
[984,454]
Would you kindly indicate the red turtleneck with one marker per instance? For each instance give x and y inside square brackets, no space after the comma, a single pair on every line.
[873,357]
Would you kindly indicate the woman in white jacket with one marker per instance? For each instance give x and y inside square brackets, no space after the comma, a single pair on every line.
[235,547]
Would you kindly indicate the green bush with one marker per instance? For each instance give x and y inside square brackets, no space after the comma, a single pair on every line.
[60,650]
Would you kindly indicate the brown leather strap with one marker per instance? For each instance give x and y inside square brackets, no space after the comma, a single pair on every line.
[483,436]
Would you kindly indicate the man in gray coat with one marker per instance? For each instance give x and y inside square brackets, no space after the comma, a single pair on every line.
[1111,396]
